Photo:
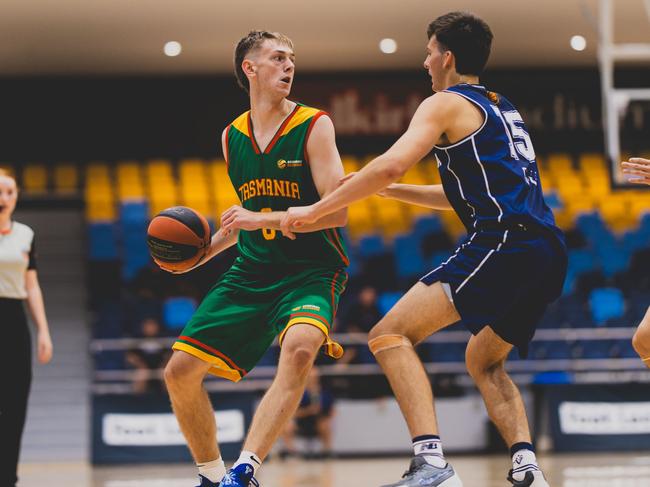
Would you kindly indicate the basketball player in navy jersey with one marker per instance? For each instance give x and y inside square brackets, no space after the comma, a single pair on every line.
[638,171]
[499,281]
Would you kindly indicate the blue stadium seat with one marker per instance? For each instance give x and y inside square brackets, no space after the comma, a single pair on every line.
[134,212]
[371,245]
[177,311]
[552,200]
[408,256]
[102,241]
[427,224]
[385,301]
[134,219]
[606,303]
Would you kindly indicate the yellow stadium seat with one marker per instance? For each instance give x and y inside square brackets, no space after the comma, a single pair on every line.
[66,179]
[452,224]
[97,171]
[429,168]
[615,211]
[579,204]
[564,219]
[34,179]
[361,219]
[129,181]
[559,163]
[160,185]
[224,195]
[350,164]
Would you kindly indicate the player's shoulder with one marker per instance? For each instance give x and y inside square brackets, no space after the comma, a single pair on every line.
[442,103]
[305,113]
[22,230]
[240,124]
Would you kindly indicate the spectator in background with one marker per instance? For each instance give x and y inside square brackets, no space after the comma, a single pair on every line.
[148,358]
[313,419]
[18,284]
[360,318]
[637,170]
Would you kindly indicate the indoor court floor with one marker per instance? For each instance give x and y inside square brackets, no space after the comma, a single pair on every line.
[584,470]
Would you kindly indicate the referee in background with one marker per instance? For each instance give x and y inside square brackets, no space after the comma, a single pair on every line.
[18,282]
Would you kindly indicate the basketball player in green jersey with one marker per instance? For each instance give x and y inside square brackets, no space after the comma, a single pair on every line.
[279,154]
[637,169]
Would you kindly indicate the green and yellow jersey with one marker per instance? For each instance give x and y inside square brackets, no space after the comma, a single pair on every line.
[274,179]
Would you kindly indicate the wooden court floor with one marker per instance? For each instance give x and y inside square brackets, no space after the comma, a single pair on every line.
[584,470]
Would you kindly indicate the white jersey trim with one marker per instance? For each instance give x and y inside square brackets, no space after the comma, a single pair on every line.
[487,185]
[460,187]
[455,254]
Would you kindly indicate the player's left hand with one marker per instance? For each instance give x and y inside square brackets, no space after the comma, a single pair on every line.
[44,347]
[637,169]
[237,217]
[296,217]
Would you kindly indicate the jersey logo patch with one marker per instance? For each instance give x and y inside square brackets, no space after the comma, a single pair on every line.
[311,307]
[295,163]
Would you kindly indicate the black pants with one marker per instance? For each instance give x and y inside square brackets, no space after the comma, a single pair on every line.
[15,380]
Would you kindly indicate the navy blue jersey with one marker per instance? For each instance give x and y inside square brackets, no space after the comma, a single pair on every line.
[490,177]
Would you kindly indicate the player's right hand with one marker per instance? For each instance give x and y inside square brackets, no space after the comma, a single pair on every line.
[637,169]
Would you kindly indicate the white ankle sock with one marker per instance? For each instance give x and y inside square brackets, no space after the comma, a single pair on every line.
[523,461]
[431,450]
[250,458]
[213,471]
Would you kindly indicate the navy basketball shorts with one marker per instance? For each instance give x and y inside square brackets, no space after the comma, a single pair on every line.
[504,280]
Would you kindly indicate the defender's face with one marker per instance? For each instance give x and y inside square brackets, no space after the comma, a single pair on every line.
[275,66]
[433,63]
[8,196]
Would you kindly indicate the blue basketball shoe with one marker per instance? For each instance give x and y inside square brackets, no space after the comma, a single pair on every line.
[205,482]
[240,476]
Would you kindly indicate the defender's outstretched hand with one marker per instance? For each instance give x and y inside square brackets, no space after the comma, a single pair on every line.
[296,217]
[637,169]
[237,217]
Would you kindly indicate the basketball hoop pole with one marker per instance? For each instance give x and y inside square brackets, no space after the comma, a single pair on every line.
[616,100]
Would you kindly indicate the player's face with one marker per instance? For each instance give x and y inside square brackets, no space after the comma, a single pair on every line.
[434,64]
[275,67]
[8,196]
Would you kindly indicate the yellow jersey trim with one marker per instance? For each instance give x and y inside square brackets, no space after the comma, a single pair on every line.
[303,114]
[241,124]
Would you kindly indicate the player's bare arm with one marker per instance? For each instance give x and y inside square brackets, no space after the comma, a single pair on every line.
[427,126]
[427,195]
[637,169]
[327,170]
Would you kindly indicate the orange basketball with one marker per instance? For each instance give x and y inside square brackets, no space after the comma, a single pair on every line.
[178,238]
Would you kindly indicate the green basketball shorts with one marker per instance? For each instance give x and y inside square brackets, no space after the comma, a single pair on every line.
[243,313]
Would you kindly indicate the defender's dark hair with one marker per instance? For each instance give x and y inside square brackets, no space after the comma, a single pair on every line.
[249,43]
[468,37]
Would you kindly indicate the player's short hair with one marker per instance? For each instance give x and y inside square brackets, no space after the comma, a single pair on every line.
[250,43]
[467,36]
[6,174]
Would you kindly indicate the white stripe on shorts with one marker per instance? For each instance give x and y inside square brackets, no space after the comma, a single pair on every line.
[505,236]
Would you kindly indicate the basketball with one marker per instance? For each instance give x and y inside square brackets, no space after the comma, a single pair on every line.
[178,238]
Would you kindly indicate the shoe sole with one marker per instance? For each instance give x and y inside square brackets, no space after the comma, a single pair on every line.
[453,481]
